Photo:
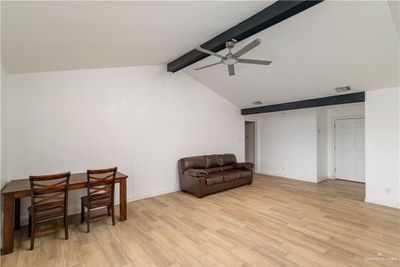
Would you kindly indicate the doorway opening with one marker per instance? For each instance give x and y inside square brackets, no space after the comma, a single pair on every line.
[250,141]
[349,149]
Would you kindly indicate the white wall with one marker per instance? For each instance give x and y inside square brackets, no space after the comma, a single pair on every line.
[3,144]
[141,119]
[301,141]
[382,126]
[322,144]
[288,144]
[3,83]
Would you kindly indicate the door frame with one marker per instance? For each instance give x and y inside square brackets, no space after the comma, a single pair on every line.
[255,141]
[333,132]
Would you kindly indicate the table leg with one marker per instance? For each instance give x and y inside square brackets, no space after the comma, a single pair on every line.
[17,214]
[8,224]
[122,200]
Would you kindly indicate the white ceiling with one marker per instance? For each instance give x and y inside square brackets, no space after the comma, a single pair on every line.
[64,35]
[329,45]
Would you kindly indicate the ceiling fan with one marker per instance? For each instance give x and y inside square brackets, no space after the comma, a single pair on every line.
[232,58]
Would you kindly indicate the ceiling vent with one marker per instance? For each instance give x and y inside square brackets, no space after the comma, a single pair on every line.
[257,103]
[342,89]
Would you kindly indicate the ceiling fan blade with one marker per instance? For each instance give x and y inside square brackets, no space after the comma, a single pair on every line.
[248,47]
[208,52]
[206,66]
[231,70]
[254,61]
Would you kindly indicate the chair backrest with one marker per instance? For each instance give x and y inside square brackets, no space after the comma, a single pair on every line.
[47,189]
[101,183]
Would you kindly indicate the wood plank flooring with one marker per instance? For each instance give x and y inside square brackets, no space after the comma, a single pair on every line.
[273,222]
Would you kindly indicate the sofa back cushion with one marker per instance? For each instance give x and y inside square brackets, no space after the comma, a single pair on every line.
[212,161]
[198,162]
[227,159]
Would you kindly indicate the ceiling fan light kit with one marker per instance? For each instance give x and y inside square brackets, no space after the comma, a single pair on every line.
[231,59]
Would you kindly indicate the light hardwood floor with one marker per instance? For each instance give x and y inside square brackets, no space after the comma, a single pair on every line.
[273,222]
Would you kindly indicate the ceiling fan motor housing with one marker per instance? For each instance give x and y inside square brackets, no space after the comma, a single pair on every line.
[230,60]
[230,44]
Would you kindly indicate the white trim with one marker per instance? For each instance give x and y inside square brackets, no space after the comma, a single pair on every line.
[255,141]
[333,138]
[279,175]
[77,210]
[383,203]
[320,180]
[144,196]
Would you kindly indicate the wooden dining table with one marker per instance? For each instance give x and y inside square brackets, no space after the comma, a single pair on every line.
[20,188]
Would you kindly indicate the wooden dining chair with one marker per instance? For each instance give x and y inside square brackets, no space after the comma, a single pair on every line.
[49,201]
[100,194]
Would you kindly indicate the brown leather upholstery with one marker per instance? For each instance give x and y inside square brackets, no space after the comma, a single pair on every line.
[215,178]
[203,175]
[228,167]
[212,161]
[227,159]
[235,174]
[214,169]
[194,163]
[244,166]
[196,172]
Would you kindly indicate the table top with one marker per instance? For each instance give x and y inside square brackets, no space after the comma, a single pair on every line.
[21,185]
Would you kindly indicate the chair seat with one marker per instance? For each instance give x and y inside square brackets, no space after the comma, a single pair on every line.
[97,200]
[47,213]
[48,206]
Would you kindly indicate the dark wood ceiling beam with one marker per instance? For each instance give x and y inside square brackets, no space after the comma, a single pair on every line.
[309,103]
[273,14]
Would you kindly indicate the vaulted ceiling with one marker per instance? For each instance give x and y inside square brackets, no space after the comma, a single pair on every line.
[335,43]
[332,44]
[65,35]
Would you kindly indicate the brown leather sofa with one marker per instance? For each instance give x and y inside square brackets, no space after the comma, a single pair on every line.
[204,175]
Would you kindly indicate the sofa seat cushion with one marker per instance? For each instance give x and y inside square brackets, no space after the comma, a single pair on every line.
[231,175]
[215,178]
[215,169]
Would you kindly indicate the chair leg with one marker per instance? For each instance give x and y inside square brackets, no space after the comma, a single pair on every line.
[29,226]
[113,214]
[109,210]
[66,227]
[88,220]
[32,233]
[82,213]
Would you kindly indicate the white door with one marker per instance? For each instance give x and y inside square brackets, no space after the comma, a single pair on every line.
[250,136]
[350,149]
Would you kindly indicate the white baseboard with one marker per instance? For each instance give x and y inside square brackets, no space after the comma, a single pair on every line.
[77,210]
[159,193]
[383,203]
[322,179]
[287,177]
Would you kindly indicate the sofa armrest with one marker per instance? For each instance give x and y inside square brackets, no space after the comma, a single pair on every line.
[196,173]
[244,166]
